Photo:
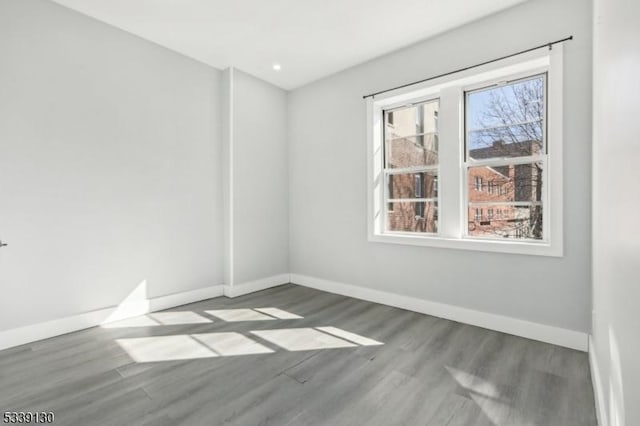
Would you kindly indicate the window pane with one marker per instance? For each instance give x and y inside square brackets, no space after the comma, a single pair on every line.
[520,221]
[410,216]
[412,185]
[411,136]
[506,201]
[413,151]
[506,121]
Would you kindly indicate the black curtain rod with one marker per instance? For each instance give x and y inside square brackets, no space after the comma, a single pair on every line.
[472,66]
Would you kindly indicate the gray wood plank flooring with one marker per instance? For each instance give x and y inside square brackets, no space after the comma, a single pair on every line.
[342,362]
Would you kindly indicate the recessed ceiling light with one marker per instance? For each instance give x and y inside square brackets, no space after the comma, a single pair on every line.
[276,67]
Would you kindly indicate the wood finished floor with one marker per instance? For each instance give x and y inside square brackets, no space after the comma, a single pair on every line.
[428,371]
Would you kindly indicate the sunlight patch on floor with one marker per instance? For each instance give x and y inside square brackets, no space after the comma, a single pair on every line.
[189,317]
[142,321]
[302,339]
[231,344]
[176,318]
[190,346]
[278,313]
[236,315]
[164,348]
[160,318]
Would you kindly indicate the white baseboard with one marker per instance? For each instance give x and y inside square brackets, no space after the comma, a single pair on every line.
[177,299]
[598,395]
[257,285]
[44,330]
[530,330]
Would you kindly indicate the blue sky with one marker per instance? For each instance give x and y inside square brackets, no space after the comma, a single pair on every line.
[478,103]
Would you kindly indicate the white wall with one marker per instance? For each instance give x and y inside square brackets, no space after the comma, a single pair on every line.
[259,228]
[328,178]
[110,166]
[616,207]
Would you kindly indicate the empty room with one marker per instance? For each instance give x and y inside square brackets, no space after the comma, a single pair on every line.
[302,212]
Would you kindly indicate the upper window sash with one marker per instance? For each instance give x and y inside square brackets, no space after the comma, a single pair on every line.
[521,78]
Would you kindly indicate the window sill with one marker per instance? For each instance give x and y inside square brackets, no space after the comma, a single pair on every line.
[495,246]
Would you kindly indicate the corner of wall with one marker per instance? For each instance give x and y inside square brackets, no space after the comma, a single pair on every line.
[227,170]
[596,381]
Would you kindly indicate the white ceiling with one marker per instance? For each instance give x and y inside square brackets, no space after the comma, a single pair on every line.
[309,38]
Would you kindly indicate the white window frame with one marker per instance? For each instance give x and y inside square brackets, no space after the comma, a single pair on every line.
[452,176]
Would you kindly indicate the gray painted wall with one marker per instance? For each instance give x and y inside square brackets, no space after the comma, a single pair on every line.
[260,179]
[110,166]
[328,188]
[616,247]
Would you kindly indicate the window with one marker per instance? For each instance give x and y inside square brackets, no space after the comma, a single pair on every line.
[411,168]
[418,185]
[505,140]
[391,186]
[478,183]
[420,118]
[465,161]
